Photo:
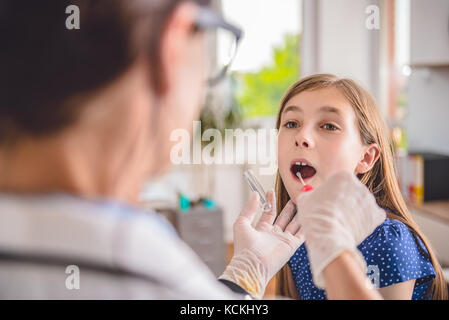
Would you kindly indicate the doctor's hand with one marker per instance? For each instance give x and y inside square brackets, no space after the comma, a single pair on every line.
[336,216]
[261,251]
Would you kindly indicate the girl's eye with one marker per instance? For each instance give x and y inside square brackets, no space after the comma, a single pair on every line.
[291,124]
[329,126]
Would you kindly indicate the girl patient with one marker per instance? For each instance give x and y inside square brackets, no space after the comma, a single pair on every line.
[327,125]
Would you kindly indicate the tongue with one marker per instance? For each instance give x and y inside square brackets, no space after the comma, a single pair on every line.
[307,172]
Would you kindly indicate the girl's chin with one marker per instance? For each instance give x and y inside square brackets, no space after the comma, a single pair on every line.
[294,196]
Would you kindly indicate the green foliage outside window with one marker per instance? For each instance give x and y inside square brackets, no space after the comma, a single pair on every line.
[256,94]
[259,93]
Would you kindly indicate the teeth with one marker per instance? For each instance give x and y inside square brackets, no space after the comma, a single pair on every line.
[300,163]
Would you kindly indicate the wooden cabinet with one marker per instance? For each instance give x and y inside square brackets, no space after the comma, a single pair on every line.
[433,219]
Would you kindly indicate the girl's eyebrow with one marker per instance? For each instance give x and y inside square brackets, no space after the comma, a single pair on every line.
[329,109]
[320,110]
[292,108]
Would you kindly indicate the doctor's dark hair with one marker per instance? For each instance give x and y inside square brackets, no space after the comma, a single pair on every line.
[47,71]
[380,180]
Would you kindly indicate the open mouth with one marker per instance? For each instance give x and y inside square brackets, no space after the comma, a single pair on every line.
[304,168]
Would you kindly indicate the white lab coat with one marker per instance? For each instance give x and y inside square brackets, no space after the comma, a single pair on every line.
[69,230]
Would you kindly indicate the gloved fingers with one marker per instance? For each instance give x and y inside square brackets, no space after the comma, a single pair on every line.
[300,235]
[250,209]
[294,225]
[376,218]
[380,218]
[296,222]
[286,215]
[269,216]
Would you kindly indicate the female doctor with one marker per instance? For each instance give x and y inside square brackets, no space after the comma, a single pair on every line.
[85,119]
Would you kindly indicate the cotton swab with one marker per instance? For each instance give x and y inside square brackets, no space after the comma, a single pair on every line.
[305,187]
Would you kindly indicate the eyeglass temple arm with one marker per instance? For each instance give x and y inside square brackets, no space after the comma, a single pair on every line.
[208,18]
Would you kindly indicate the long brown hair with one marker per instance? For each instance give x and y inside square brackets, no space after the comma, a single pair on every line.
[380,180]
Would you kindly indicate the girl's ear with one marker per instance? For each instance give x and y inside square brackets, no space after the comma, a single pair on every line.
[370,156]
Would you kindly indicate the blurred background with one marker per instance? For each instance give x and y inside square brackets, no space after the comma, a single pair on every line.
[397,49]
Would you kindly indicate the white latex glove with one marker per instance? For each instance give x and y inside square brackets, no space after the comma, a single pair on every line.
[335,217]
[261,251]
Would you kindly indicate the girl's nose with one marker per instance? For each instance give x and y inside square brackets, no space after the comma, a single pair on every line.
[303,141]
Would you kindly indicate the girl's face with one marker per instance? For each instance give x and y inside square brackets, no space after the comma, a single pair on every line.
[318,137]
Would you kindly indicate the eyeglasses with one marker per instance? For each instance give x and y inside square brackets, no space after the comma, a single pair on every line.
[209,19]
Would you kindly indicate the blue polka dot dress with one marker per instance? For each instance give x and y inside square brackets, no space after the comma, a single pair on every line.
[392,256]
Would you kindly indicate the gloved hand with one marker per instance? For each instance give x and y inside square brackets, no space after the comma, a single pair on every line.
[261,251]
[335,217]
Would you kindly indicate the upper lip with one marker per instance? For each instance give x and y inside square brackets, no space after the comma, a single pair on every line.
[300,160]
